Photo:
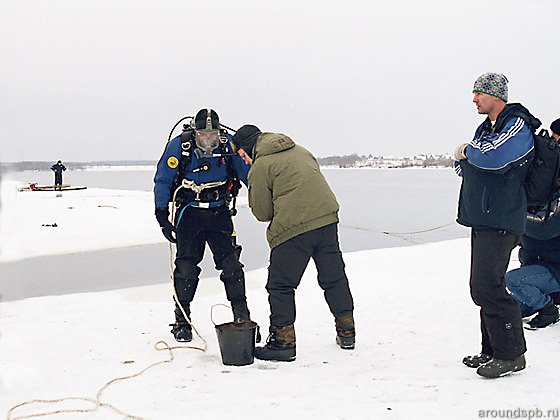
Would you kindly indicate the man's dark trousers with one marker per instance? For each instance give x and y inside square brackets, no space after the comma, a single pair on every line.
[288,262]
[500,317]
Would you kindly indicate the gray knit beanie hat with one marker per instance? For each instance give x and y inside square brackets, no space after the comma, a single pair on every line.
[494,84]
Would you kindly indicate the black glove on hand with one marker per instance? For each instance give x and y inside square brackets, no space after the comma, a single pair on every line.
[167,228]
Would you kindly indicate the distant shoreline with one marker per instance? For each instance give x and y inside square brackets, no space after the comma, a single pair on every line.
[343,162]
[131,168]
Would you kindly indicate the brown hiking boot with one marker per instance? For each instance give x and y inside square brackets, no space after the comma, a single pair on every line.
[280,345]
[345,331]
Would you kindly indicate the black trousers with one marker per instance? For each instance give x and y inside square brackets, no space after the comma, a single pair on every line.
[500,317]
[288,262]
[197,227]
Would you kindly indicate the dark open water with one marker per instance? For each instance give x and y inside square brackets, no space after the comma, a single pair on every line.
[379,209]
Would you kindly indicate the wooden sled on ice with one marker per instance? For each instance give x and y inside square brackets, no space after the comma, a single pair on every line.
[36,187]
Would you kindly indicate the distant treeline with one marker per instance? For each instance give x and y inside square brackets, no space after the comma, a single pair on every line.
[347,161]
[45,166]
[358,161]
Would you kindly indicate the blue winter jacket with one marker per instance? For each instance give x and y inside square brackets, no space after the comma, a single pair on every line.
[541,244]
[169,164]
[492,192]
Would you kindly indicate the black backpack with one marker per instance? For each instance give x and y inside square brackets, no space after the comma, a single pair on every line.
[543,179]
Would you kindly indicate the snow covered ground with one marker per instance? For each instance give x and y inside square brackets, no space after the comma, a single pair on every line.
[85,220]
[414,317]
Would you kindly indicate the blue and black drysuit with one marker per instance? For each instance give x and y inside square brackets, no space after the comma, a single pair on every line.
[493,203]
[203,218]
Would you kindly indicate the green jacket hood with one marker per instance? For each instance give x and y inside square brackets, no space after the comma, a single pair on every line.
[270,143]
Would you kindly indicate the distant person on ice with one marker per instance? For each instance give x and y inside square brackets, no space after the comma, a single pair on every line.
[58,168]
[287,189]
[493,203]
[198,170]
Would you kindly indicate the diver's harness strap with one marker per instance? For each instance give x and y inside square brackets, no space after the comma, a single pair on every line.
[214,198]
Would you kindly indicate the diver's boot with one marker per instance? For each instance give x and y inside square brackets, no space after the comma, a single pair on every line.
[181,329]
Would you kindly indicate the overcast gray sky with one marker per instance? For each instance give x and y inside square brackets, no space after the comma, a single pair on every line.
[107,79]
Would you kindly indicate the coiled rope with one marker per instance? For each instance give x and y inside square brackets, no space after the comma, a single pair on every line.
[97,401]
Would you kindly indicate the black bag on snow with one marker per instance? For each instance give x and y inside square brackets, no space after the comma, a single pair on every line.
[543,179]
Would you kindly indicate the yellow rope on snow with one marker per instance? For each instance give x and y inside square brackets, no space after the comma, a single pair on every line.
[48,413]
[398,233]
[159,346]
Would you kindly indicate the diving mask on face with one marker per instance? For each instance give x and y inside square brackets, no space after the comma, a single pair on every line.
[207,140]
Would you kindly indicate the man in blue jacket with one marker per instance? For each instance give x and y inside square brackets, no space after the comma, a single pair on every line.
[493,204]
[538,279]
[198,172]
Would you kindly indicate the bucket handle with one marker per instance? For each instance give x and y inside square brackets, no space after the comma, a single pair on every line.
[227,306]
[258,329]
[212,311]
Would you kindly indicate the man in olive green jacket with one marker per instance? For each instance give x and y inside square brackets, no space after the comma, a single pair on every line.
[287,189]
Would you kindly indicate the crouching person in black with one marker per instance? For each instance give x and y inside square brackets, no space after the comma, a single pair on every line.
[199,172]
[537,282]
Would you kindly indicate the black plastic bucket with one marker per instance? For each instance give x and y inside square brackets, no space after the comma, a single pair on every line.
[237,342]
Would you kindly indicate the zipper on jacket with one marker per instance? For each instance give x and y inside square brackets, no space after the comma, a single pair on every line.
[485,201]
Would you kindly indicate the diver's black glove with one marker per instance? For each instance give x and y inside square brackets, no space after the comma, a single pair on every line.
[167,228]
